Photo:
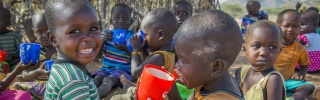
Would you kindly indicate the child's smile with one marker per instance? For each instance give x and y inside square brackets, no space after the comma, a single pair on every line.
[78,36]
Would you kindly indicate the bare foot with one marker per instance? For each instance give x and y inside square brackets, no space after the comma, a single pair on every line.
[125,82]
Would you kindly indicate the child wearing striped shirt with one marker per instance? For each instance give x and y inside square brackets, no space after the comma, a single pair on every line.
[73,29]
[116,57]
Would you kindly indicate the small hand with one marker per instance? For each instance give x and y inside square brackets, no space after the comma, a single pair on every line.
[108,36]
[301,77]
[22,66]
[120,47]
[136,43]
[265,17]
[8,57]
[41,70]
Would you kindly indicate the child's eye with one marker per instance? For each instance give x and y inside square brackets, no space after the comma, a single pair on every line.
[256,46]
[116,18]
[125,18]
[272,47]
[185,13]
[176,13]
[93,29]
[75,31]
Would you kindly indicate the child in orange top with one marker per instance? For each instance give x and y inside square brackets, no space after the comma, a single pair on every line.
[261,81]
[205,54]
[292,53]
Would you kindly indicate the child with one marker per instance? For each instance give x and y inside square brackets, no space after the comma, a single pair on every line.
[159,26]
[292,53]
[73,29]
[14,94]
[205,55]
[310,39]
[183,10]
[10,40]
[37,87]
[261,81]
[116,57]
[253,8]
[40,28]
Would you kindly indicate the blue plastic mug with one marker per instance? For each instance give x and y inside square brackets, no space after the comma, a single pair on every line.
[49,64]
[28,52]
[142,36]
[119,36]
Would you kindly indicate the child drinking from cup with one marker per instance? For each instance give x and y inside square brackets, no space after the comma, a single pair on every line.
[310,39]
[261,81]
[10,40]
[205,55]
[116,56]
[73,29]
[292,53]
[159,26]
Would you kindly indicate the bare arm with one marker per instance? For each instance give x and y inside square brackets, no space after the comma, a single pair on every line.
[137,65]
[275,88]
[302,72]
[237,75]
[8,80]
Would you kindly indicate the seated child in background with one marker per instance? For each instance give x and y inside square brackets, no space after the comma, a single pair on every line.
[183,10]
[14,94]
[205,54]
[292,53]
[310,39]
[159,26]
[253,8]
[37,88]
[73,29]
[261,81]
[116,57]
[9,40]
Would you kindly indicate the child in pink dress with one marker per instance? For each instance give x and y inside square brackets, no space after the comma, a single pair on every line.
[310,39]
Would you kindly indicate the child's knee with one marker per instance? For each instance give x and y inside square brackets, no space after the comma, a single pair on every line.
[98,77]
[110,79]
[308,88]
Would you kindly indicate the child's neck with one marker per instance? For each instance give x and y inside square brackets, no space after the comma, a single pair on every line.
[48,48]
[167,47]
[264,72]
[224,82]
[78,64]
[287,42]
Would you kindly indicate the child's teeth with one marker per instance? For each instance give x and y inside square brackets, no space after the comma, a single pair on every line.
[89,50]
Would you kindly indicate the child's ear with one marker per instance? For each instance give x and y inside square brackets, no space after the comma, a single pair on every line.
[161,34]
[51,38]
[315,24]
[244,47]
[218,67]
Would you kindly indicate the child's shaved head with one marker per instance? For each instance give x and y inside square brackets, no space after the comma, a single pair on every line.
[5,13]
[273,27]
[38,16]
[214,35]
[161,19]
[291,11]
[5,17]
[55,8]
[185,3]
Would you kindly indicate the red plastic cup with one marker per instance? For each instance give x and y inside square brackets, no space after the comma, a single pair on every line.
[155,83]
[2,55]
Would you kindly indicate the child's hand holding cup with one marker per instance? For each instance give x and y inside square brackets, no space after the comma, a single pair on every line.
[29,52]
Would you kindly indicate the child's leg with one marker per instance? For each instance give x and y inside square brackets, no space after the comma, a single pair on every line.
[302,92]
[106,86]
[126,82]
[97,80]
[316,93]
[98,77]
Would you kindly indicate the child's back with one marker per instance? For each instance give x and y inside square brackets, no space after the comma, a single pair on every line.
[205,55]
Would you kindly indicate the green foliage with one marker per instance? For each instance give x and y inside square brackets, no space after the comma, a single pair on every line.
[276,11]
[235,10]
